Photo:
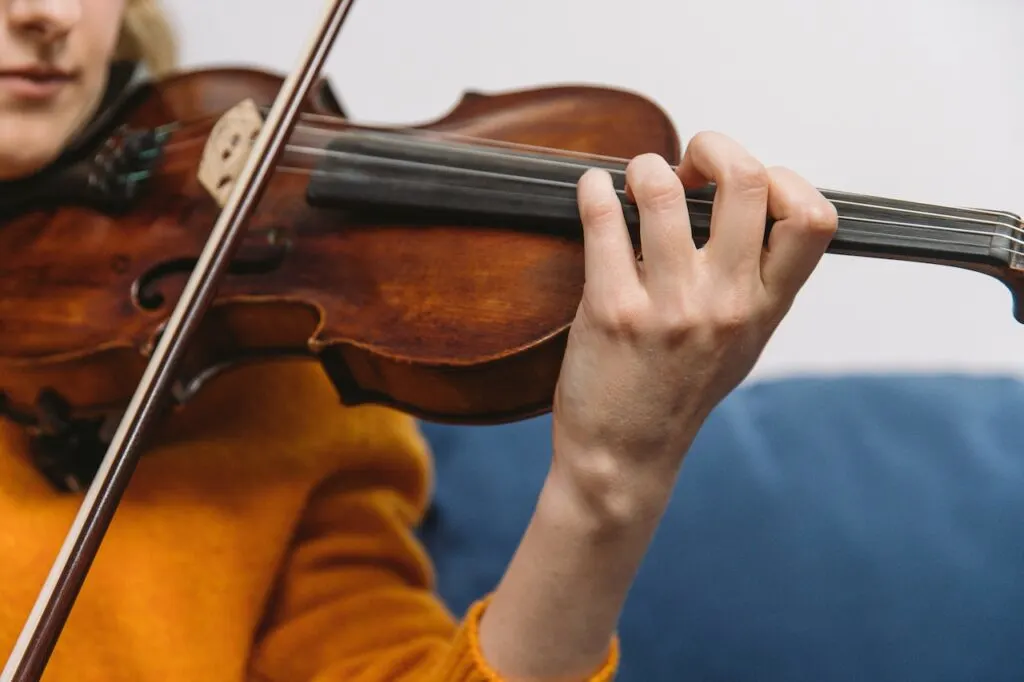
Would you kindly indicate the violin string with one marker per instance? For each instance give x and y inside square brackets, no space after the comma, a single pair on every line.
[549,158]
[848,231]
[839,202]
[554,157]
[321,152]
[568,186]
[479,146]
[481,150]
[305,172]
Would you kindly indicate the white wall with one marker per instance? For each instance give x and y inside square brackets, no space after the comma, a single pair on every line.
[918,99]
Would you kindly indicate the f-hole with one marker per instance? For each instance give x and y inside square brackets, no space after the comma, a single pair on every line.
[146,289]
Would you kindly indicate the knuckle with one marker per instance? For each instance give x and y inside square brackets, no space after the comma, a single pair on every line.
[662,192]
[733,313]
[703,139]
[746,174]
[679,323]
[731,164]
[622,315]
[599,210]
[728,319]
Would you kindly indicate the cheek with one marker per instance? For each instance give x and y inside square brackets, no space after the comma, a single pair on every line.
[100,39]
[97,34]
[101,23]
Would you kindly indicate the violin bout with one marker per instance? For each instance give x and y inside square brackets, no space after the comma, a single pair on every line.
[365,262]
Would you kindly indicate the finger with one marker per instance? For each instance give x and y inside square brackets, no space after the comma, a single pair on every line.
[805,224]
[665,236]
[740,207]
[610,264]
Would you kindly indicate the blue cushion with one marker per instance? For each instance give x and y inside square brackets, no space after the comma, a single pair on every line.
[854,528]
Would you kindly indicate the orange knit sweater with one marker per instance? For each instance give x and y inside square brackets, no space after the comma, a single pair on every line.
[266,538]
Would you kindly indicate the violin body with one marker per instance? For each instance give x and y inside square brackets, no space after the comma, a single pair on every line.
[458,322]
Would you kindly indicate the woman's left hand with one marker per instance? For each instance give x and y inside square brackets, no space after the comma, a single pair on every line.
[657,344]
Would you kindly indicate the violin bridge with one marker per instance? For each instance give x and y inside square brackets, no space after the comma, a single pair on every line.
[228,148]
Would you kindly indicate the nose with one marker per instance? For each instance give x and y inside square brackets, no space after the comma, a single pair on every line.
[47,20]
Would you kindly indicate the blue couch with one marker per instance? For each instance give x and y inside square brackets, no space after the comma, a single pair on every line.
[844,529]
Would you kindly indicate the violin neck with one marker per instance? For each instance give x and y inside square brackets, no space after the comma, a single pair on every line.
[891,228]
[427,178]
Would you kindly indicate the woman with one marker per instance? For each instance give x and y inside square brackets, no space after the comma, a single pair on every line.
[269,539]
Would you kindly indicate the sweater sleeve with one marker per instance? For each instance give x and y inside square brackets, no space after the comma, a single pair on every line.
[355,599]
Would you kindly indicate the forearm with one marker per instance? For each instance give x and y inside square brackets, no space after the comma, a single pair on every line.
[555,611]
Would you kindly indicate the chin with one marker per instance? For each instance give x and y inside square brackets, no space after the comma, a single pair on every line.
[37,144]
[23,165]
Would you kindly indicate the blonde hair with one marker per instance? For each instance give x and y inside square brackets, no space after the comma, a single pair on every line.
[147,37]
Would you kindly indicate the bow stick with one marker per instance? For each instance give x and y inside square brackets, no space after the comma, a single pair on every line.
[45,623]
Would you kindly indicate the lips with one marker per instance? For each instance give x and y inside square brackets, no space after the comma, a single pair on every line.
[37,73]
[34,82]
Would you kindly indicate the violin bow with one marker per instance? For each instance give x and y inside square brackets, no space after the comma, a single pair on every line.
[35,645]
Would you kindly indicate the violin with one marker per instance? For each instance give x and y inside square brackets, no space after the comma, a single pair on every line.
[222,216]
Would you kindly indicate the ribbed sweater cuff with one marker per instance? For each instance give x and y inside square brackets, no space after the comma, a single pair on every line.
[467,664]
